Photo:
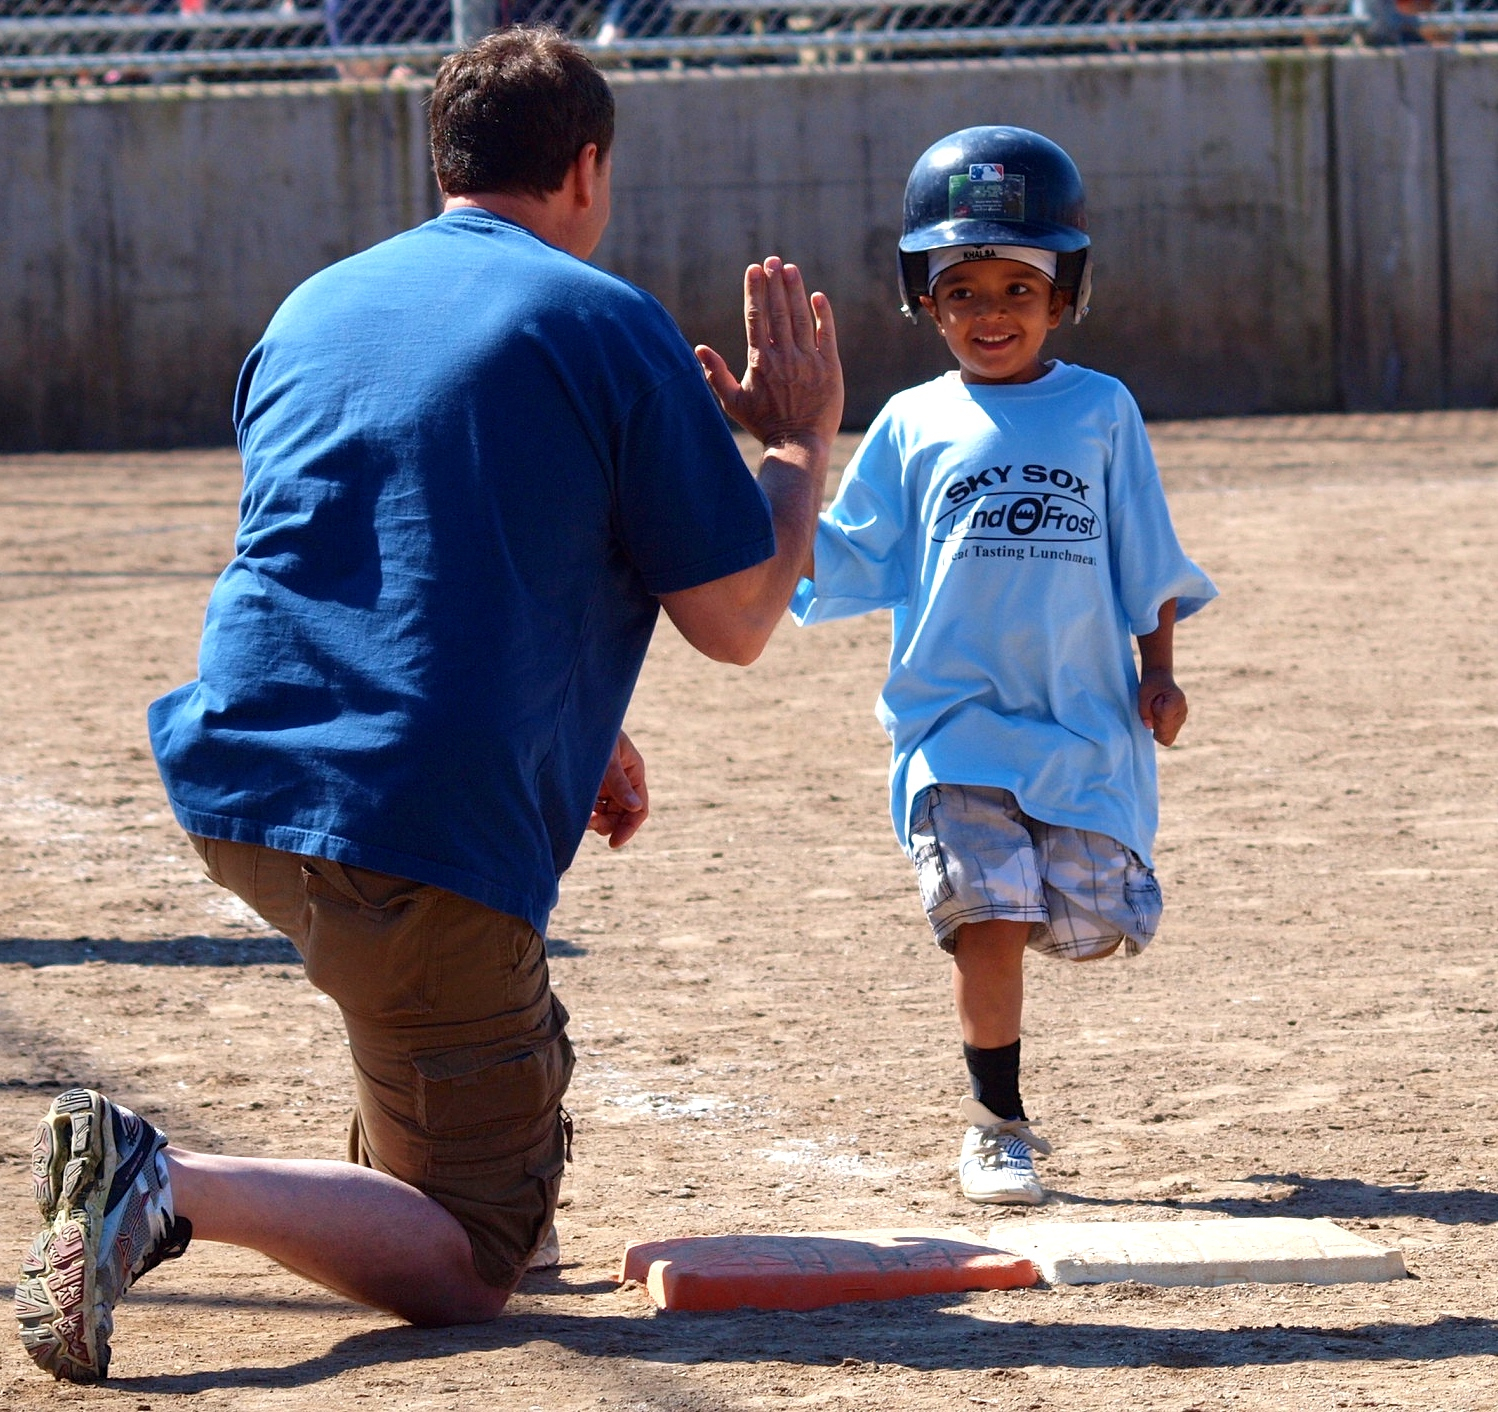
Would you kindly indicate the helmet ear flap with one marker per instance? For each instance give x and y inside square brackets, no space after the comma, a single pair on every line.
[1081,299]
[1074,275]
[913,267]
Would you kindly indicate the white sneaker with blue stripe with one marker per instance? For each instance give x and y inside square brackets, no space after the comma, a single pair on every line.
[998,1158]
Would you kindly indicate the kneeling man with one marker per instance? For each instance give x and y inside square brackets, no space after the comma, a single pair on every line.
[475,468]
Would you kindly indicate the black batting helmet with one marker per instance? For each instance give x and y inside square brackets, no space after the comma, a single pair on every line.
[996,186]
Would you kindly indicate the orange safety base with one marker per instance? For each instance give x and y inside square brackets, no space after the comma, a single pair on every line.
[820,1268]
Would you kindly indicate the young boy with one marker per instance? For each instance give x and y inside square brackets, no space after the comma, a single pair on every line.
[1011,514]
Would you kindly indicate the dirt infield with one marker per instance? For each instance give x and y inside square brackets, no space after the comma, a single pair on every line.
[764,1029]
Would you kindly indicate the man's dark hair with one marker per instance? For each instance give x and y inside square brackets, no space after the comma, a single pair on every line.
[511,113]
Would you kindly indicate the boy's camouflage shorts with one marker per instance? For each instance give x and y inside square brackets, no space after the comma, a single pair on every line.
[979,857]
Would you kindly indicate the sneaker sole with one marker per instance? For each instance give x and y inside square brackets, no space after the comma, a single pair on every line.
[73,1162]
[54,1303]
[70,1144]
[1031,1195]
[1007,1198]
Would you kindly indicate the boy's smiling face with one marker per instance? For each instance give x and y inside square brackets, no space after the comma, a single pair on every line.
[994,315]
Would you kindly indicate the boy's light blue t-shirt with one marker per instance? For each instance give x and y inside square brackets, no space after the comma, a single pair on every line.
[1021,536]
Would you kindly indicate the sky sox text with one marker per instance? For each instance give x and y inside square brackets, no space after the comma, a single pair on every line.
[994,476]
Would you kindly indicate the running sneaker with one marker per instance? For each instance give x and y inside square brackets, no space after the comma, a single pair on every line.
[101,1183]
[998,1158]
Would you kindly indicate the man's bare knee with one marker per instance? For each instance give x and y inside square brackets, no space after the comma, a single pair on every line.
[471,1306]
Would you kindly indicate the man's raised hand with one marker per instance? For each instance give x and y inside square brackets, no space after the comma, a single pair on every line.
[791,399]
[792,389]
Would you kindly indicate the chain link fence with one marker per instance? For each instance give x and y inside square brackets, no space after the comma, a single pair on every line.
[70,42]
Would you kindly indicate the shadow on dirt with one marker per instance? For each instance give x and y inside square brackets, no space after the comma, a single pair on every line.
[296,1304]
[915,1334]
[1340,1198]
[271,950]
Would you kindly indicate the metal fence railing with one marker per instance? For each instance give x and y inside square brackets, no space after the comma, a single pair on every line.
[114,41]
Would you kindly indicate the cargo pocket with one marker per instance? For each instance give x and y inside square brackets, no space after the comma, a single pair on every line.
[371,953]
[925,852]
[518,1212]
[485,1084]
[544,1167]
[547,1166]
[1142,893]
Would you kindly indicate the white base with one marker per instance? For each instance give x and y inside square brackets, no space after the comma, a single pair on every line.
[1263,1250]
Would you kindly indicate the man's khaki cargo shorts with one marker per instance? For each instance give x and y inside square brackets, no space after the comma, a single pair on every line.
[460,1055]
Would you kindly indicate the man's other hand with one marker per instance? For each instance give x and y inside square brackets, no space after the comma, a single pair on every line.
[792,390]
[623,802]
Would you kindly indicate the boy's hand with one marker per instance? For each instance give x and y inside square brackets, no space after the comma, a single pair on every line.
[623,802]
[1162,705]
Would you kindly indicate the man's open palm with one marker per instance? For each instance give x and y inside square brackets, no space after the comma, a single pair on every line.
[793,385]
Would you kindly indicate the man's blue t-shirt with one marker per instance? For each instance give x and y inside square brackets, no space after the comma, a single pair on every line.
[471,463]
[1020,533]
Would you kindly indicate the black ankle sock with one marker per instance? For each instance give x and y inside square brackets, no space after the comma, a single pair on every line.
[994,1075]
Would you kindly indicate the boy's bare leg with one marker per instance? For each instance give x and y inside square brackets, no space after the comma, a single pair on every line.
[354,1230]
[988,981]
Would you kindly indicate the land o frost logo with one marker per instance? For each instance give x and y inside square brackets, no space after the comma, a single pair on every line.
[1019,506]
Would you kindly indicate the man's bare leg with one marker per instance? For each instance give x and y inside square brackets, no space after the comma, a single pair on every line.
[354,1230]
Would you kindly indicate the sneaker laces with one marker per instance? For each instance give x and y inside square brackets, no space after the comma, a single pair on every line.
[999,1140]
[994,1132]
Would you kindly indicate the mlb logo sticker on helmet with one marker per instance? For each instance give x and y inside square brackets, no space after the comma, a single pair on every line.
[1000,198]
[985,171]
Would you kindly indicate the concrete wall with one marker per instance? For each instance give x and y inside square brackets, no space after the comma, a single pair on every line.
[1208,193]
[146,240]
[1294,231]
